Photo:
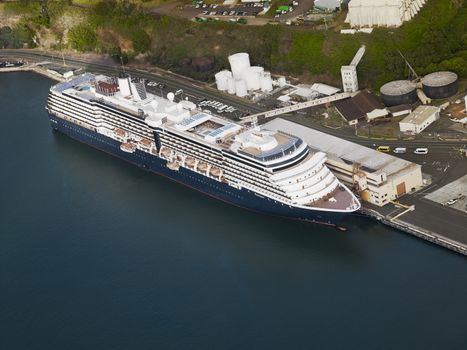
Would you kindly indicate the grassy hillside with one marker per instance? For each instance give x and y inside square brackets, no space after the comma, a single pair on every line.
[435,39]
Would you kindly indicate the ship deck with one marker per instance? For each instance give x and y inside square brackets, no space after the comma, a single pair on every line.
[339,199]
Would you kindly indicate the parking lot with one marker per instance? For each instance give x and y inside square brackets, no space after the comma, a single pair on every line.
[213,106]
[217,107]
[239,10]
[453,195]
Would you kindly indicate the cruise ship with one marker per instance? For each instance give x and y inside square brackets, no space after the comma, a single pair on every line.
[266,171]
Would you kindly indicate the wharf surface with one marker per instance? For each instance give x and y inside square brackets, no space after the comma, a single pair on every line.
[448,239]
[34,67]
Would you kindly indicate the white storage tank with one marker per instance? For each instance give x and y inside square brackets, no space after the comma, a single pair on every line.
[239,64]
[281,81]
[266,82]
[240,88]
[230,85]
[222,80]
[253,78]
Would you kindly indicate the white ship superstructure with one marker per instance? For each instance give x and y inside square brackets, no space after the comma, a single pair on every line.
[273,165]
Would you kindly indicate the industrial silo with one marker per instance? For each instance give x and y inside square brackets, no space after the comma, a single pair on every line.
[266,82]
[439,85]
[240,88]
[398,92]
[239,64]
[222,78]
[230,85]
[253,77]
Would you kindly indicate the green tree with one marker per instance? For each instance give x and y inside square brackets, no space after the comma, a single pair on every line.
[82,37]
[141,41]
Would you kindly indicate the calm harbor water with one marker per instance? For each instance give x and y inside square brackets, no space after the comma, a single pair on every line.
[98,254]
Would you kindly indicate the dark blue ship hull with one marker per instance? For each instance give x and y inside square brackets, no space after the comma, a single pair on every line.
[240,197]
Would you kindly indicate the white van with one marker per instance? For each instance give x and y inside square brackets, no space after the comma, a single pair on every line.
[421,151]
[400,150]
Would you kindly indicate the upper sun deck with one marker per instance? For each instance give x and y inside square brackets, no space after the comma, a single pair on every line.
[129,96]
[266,146]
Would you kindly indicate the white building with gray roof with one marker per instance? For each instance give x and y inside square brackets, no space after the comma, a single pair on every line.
[377,177]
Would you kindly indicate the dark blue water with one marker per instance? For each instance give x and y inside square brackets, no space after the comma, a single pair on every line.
[97,254]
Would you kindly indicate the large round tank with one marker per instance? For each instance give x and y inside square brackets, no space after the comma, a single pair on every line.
[440,84]
[230,85]
[398,92]
[266,82]
[240,88]
[239,63]
[222,80]
[253,77]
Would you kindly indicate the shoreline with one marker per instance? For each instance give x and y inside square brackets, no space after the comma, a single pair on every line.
[35,69]
[425,234]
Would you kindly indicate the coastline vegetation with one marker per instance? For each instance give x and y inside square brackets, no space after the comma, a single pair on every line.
[435,39]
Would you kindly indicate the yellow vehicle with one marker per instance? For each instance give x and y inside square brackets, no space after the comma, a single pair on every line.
[385,149]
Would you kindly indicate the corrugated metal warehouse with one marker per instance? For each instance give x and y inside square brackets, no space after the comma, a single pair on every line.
[375,176]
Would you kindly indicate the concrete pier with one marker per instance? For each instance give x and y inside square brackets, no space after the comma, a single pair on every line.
[34,67]
[414,230]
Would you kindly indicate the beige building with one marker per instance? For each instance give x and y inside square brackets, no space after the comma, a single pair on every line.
[377,177]
[419,119]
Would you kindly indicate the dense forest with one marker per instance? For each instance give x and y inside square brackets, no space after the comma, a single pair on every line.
[435,39]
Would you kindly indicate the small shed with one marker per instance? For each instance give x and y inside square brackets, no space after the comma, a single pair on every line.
[419,119]
[397,111]
[356,108]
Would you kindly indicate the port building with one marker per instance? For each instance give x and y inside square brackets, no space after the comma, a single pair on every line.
[377,177]
[362,105]
[419,119]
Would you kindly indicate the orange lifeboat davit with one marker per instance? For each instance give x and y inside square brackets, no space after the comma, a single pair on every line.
[173,166]
[190,162]
[166,153]
[145,143]
[202,167]
[120,133]
[215,171]
[128,147]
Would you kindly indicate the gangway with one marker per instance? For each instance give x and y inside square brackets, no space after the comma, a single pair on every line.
[292,108]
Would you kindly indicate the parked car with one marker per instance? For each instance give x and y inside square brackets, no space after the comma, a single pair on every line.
[400,150]
[384,149]
[451,201]
[421,151]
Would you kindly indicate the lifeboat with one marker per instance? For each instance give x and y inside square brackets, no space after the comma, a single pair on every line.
[173,166]
[215,171]
[202,167]
[190,162]
[120,133]
[145,143]
[166,152]
[128,147]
